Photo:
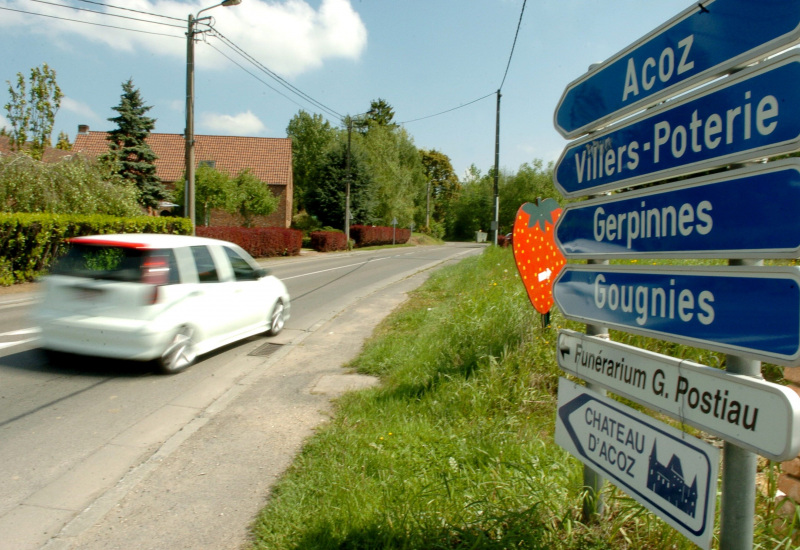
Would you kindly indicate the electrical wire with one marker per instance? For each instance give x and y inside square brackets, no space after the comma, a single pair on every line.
[107,14]
[293,89]
[519,23]
[90,23]
[265,83]
[130,9]
[449,110]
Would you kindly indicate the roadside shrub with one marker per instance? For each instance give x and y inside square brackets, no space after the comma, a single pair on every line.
[368,235]
[328,241]
[71,186]
[30,243]
[259,242]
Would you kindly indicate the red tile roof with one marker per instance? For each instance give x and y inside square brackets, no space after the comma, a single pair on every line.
[50,154]
[269,159]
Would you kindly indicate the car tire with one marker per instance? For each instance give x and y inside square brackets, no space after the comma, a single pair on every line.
[180,353]
[277,319]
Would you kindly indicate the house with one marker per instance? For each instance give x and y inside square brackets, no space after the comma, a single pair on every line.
[50,154]
[269,159]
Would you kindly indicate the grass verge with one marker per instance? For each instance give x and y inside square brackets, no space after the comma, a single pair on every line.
[455,448]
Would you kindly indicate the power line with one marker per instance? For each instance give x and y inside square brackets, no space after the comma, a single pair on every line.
[255,76]
[519,23]
[107,14]
[88,22]
[275,76]
[449,110]
[129,9]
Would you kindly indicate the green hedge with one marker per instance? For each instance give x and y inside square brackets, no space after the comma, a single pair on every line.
[29,243]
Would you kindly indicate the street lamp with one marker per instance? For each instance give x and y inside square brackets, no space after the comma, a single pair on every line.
[189,195]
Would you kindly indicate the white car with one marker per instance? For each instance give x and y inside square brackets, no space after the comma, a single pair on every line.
[162,298]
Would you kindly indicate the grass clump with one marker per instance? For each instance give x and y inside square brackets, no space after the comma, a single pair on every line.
[455,449]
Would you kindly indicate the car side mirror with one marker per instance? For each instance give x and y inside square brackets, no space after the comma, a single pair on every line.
[262,272]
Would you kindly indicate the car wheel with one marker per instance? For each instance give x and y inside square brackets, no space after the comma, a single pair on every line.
[180,353]
[276,319]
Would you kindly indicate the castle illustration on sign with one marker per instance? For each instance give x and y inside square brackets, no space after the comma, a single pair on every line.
[668,483]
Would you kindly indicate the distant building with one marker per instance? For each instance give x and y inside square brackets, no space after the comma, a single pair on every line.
[269,159]
[50,154]
[668,483]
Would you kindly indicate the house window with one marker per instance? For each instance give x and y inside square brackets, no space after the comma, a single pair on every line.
[209,163]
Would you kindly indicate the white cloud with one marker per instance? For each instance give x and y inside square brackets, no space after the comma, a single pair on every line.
[243,124]
[81,109]
[289,37]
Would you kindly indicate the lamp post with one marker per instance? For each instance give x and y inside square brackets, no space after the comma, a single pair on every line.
[189,133]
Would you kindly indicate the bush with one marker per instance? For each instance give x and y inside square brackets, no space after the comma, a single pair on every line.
[30,243]
[366,235]
[74,186]
[328,241]
[259,242]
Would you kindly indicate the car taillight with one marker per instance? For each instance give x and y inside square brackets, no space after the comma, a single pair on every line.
[155,271]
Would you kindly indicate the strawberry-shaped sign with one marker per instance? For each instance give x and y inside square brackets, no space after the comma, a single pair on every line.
[538,258]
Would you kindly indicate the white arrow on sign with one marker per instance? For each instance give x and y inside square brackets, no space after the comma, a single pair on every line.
[670,472]
[754,414]
[545,275]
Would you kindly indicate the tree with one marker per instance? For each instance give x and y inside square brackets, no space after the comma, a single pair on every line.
[442,184]
[397,176]
[531,182]
[311,135]
[211,190]
[249,196]
[326,200]
[128,148]
[380,113]
[32,109]
[63,142]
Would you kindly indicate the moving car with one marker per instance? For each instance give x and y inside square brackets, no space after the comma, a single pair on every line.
[161,298]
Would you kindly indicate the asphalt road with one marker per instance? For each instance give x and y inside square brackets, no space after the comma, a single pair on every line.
[102,454]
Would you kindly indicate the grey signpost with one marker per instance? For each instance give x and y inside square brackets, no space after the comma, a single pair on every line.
[742,215]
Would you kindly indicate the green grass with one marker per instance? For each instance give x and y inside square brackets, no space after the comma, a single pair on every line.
[455,449]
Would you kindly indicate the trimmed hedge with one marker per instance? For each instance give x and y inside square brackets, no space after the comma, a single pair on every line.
[328,241]
[30,243]
[369,235]
[259,242]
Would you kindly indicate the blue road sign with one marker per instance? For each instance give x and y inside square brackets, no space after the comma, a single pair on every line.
[697,45]
[750,115]
[671,473]
[747,213]
[748,311]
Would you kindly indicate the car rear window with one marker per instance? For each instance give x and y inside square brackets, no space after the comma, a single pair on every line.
[118,263]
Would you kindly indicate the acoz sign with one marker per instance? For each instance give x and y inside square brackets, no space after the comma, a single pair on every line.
[697,45]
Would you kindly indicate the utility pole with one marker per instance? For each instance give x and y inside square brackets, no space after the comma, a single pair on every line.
[496,219]
[189,132]
[189,160]
[347,190]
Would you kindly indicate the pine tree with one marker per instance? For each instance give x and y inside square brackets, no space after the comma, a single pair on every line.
[128,150]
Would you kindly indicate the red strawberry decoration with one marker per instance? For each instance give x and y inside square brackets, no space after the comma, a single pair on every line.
[538,258]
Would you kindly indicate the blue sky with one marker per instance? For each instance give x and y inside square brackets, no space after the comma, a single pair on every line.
[422,56]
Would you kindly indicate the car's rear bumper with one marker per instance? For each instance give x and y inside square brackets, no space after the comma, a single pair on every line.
[103,337]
